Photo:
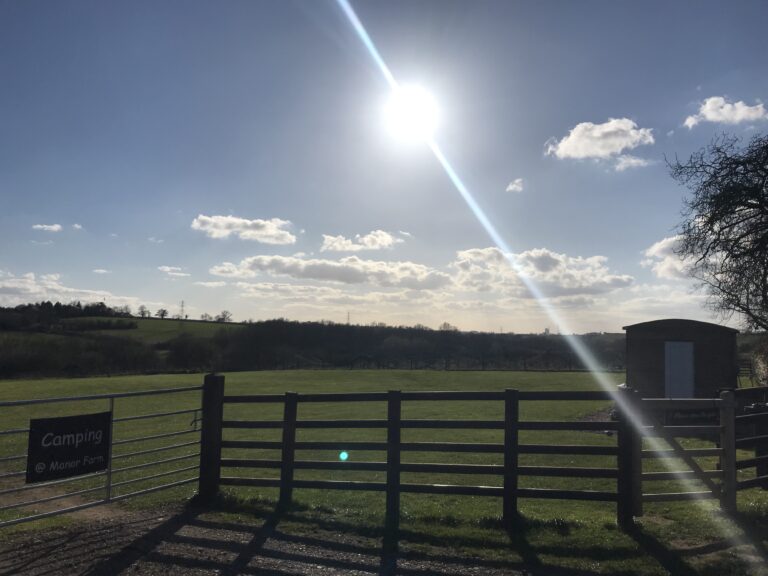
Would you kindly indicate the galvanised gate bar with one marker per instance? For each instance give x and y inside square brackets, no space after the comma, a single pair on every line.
[174,451]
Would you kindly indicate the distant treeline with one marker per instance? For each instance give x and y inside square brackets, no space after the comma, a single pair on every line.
[24,354]
[48,339]
[50,317]
[282,344]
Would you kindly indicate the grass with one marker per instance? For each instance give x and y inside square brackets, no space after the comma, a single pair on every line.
[153,331]
[579,536]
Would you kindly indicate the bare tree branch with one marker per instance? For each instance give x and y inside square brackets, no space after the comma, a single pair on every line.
[724,231]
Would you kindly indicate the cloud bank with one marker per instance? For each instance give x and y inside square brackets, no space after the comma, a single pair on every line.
[374,240]
[173,271]
[557,275]
[47,227]
[663,260]
[604,141]
[15,290]
[349,270]
[719,110]
[271,231]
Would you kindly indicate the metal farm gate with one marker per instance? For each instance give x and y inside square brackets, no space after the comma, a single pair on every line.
[146,449]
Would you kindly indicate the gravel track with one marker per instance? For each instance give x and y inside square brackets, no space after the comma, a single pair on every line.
[193,541]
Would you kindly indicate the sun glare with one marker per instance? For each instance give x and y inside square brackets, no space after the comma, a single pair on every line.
[411,114]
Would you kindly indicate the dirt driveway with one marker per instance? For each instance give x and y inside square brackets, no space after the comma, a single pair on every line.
[196,541]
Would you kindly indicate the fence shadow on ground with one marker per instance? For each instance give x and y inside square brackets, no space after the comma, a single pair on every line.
[274,542]
[231,538]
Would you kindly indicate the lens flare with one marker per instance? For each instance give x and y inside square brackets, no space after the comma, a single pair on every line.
[343,456]
[583,353]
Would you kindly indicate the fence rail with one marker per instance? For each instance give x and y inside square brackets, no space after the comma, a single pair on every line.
[752,433]
[634,445]
[721,484]
[393,448]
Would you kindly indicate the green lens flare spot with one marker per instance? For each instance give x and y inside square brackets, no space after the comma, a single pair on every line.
[343,456]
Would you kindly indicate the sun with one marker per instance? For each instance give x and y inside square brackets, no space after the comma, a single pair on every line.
[411,114]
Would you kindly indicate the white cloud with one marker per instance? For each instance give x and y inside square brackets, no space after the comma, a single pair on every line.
[302,294]
[47,227]
[217,284]
[101,271]
[557,275]
[663,260]
[719,110]
[15,290]
[626,161]
[516,185]
[154,240]
[349,270]
[650,301]
[290,292]
[265,231]
[604,141]
[77,226]
[374,240]
[480,289]
[173,271]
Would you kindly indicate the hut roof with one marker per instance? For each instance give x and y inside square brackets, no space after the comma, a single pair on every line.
[677,323]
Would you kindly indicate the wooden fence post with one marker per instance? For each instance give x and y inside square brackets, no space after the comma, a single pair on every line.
[761,448]
[511,441]
[728,447]
[629,485]
[392,518]
[289,448]
[210,437]
[636,436]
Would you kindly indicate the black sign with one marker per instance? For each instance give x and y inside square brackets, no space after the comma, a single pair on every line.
[68,446]
[697,417]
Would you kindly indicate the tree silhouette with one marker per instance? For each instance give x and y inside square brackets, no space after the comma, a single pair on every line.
[224,316]
[724,233]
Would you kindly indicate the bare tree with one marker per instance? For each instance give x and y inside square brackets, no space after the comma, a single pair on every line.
[224,316]
[122,310]
[724,232]
[144,311]
[205,316]
[161,313]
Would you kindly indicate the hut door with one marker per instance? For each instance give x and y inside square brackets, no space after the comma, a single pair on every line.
[678,369]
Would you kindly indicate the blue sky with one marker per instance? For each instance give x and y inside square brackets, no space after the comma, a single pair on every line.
[233,155]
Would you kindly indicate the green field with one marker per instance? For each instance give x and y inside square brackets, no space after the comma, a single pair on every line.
[153,331]
[678,537]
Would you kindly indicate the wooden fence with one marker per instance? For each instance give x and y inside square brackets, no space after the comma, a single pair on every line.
[628,450]
[752,434]
[719,483]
